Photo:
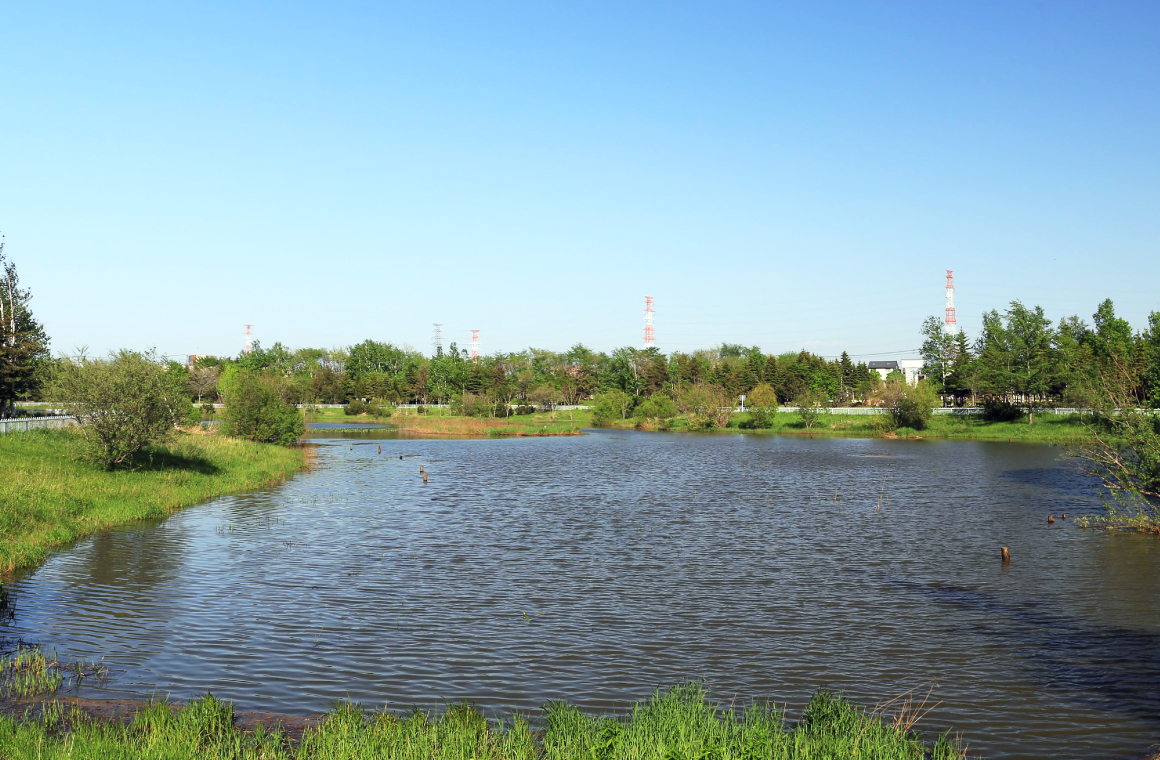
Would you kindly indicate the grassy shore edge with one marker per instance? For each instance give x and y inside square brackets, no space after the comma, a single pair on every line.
[50,498]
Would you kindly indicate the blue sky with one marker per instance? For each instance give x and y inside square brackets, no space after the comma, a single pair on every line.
[794,175]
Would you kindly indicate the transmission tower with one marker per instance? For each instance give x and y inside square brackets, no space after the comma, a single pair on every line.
[475,344]
[437,339]
[650,339]
[248,334]
[951,327]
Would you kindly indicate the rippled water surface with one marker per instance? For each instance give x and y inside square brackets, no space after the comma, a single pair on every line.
[597,568]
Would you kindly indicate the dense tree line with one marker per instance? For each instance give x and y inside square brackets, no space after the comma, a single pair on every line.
[383,371]
[1022,356]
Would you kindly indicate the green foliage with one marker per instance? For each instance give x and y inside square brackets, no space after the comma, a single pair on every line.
[357,406]
[679,723]
[705,406]
[123,403]
[611,406]
[762,404]
[909,406]
[1123,452]
[254,410]
[811,405]
[658,407]
[24,359]
[1001,410]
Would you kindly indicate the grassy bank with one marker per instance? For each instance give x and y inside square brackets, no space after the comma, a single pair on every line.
[680,723]
[1046,429]
[49,497]
[441,422]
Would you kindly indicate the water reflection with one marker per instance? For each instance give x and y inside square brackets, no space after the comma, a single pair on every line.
[597,568]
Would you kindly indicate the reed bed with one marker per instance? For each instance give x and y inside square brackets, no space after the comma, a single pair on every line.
[679,724]
[50,497]
[31,672]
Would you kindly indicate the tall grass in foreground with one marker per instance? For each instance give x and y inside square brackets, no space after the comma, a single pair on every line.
[49,496]
[680,724]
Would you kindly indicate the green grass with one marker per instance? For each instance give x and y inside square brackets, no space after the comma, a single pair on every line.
[436,421]
[1048,428]
[680,724]
[50,497]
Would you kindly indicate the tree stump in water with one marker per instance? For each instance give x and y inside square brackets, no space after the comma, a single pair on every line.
[1006,553]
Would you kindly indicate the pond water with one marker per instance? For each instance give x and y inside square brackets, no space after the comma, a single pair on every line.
[597,568]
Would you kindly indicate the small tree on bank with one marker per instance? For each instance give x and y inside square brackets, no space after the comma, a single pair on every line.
[909,405]
[762,403]
[1123,450]
[122,404]
[811,406]
[255,411]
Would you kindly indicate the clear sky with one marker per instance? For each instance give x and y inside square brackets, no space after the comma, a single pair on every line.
[786,175]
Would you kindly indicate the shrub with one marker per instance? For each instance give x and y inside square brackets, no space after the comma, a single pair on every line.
[1000,410]
[611,406]
[123,403]
[811,406]
[705,406]
[255,411]
[762,404]
[909,406]
[659,407]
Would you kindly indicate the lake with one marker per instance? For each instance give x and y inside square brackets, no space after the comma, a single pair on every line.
[595,569]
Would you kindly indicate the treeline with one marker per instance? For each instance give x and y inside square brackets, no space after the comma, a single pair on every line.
[1022,356]
[382,371]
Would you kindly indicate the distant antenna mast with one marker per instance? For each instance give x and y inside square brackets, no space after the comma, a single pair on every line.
[437,339]
[951,326]
[650,339]
[475,344]
[249,347]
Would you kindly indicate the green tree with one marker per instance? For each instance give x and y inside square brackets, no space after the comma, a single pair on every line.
[24,359]
[762,405]
[122,404]
[812,406]
[611,406]
[704,406]
[909,405]
[255,410]
[938,351]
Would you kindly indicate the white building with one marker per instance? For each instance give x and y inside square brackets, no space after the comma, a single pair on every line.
[910,368]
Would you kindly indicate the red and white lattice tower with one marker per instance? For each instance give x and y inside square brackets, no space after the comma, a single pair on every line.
[951,326]
[475,344]
[650,338]
[249,347]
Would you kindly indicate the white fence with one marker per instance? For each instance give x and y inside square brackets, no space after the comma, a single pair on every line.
[24,424]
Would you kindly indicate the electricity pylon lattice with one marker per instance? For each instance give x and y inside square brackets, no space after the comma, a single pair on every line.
[951,326]
[437,339]
[475,344]
[650,338]
[249,347]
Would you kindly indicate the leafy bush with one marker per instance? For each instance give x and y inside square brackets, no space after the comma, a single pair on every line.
[909,406]
[1000,410]
[762,404]
[611,406]
[478,405]
[255,411]
[123,403]
[659,407]
[705,406]
[811,406]
[357,406]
